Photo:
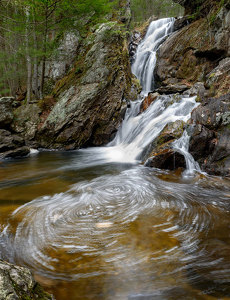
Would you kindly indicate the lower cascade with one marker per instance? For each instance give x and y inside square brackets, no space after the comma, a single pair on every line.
[116,229]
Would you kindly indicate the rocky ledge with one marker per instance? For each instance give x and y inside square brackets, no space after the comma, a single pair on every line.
[17,283]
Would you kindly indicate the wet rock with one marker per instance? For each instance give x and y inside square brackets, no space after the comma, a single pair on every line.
[6,111]
[17,283]
[181,22]
[148,101]
[160,153]
[201,142]
[18,152]
[166,159]
[12,145]
[210,138]
[135,41]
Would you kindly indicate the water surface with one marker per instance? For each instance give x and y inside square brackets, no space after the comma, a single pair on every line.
[115,231]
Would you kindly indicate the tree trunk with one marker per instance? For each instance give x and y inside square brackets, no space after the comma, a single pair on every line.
[28,57]
[43,63]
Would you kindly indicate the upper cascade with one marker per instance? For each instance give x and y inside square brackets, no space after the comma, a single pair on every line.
[145,61]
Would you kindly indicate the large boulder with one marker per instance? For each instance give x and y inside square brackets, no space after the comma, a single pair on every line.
[26,120]
[88,100]
[12,145]
[18,283]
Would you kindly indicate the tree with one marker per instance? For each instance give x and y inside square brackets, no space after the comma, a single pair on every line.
[28,33]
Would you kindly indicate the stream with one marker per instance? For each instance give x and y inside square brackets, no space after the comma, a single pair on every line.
[96,223]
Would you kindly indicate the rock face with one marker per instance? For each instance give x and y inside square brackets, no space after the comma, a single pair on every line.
[210,140]
[198,52]
[17,283]
[88,100]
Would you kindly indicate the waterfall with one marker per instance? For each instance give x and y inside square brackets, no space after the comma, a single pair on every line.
[138,131]
[182,145]
[144,64]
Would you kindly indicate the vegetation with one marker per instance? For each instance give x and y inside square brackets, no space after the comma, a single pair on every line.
[29,35]
[144,9]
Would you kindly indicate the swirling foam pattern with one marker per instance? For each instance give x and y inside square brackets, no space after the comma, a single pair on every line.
[126,221]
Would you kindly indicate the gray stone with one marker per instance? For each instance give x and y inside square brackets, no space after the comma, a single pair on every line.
[88,104]
[6,111]
[18,283]
[58,65]
[27,118]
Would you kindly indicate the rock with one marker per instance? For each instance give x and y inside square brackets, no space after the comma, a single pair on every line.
[201,142]
[135,41]
[6,111]
[16,153]
[192,53]
[88,101]
[210,138]
[181,22]
[198,90]
[148,100]
[219,78]
[26,120]
[166,159]
[12,145]
[64,58]
[18,283]
[213,113]
[198,8]
[172,89]
[160,153]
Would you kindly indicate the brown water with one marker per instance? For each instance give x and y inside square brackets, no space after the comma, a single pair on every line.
[115,231]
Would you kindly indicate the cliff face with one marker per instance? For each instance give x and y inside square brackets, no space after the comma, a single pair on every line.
[198,52]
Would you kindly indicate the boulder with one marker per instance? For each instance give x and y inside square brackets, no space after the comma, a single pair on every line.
[161,154]
[89,100]
[148,101]
[26,120]
[166,159]
[210,135]
[18,283]
[12,145]
[6,111]
[16,153]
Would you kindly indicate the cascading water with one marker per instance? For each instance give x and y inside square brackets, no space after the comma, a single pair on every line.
[145,61]
[116,231]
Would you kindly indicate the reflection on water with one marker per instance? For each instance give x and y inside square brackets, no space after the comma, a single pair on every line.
[115,231]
